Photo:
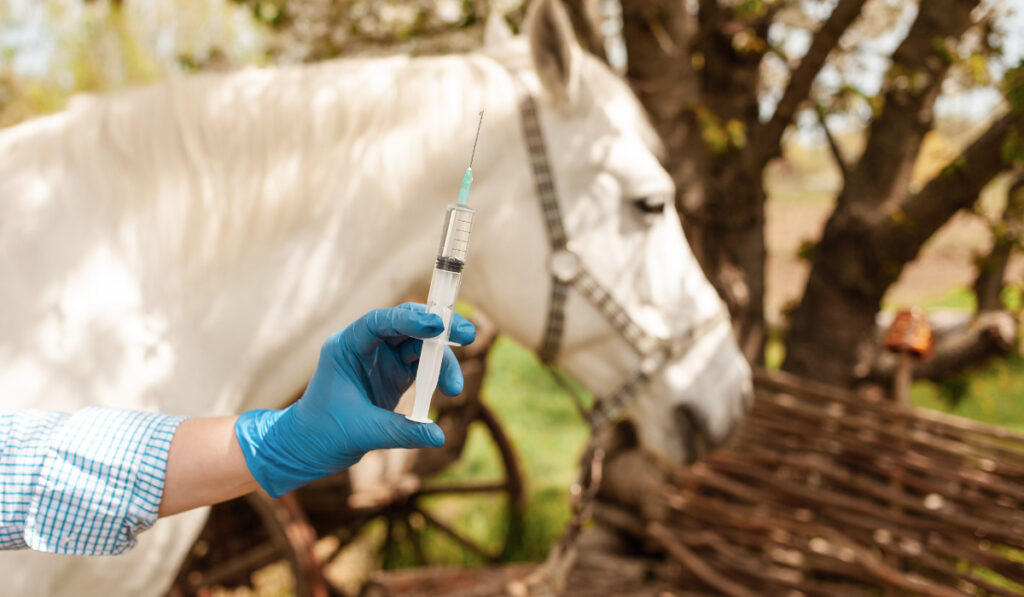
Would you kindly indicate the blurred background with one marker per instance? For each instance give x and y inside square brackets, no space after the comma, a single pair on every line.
[779,117]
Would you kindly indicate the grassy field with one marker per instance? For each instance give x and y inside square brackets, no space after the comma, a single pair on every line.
[994,394]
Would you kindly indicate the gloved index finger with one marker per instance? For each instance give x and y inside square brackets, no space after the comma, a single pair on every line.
[382,324]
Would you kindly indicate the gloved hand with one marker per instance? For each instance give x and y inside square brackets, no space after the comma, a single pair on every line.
[346,410]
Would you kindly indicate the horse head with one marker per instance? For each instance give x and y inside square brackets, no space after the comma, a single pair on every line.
[622,233]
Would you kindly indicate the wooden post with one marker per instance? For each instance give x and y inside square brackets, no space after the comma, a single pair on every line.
[903,379]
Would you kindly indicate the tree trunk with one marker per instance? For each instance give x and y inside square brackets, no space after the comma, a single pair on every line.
[701,93]
[658,35]
[861,255]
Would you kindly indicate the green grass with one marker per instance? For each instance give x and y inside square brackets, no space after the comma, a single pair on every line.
[549,437]
[957,298]
[993,394]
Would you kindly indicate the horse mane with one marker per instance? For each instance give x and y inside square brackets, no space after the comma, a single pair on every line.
[211,160]
[256,151]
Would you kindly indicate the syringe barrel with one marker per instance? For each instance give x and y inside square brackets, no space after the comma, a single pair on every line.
[443,296]
[458,224]
[444,293]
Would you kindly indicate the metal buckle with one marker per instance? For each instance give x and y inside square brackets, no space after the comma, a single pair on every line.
[652,363]
[565,265]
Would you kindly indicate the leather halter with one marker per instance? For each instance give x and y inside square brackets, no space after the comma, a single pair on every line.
[569,272]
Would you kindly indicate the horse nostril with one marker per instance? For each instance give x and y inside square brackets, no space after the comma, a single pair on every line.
[692,433]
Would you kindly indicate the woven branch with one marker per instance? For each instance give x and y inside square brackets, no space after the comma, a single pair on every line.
[825,493]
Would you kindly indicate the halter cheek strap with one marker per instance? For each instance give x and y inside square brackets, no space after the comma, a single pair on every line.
[563,264]
[569,272]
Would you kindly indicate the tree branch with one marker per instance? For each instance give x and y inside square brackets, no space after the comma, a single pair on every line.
[988,286]
[837,153]
[708,14]
[974,343]
[956,187]
[912,84]
[825,39]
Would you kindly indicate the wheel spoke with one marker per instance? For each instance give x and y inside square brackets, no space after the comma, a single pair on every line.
[253,559]
[457,536]
[389,543]
[466,487]
[344,536]
[416,538]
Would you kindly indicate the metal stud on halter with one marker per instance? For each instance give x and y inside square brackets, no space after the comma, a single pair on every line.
[444,288]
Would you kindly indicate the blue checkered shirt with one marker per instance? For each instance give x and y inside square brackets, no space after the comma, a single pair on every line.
[81,484]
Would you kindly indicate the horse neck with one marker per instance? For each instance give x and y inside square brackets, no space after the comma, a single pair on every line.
[254,214]
[357,194]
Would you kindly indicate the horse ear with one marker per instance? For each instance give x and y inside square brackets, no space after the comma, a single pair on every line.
[496,30]
[557,56]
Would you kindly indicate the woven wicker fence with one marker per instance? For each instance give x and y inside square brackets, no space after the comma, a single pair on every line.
[825,493]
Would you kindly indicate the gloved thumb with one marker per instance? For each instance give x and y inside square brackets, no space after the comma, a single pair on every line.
[399,432]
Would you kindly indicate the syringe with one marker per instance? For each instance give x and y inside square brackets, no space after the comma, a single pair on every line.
[444,289]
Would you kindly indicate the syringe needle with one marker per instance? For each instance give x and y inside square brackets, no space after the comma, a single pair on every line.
[477,138]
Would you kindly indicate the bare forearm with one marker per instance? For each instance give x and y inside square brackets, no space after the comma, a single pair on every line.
[204,466]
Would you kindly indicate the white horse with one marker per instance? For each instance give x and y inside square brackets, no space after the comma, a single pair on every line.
[186,248]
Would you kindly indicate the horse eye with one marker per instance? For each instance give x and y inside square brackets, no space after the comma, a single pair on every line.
[650,205]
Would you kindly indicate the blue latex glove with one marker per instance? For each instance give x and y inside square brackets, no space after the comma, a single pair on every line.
[346,410]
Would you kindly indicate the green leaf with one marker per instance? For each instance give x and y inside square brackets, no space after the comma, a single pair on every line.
[1012,149]
[750,9]
[714,134]
[977,66]
[805,251]
[1013,87]
[737,132]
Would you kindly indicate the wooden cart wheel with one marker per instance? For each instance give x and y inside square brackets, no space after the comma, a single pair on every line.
[422,511]
[245,535]
[249,533]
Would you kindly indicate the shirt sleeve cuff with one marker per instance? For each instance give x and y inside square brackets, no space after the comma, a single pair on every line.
[102,481]
[24,437]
